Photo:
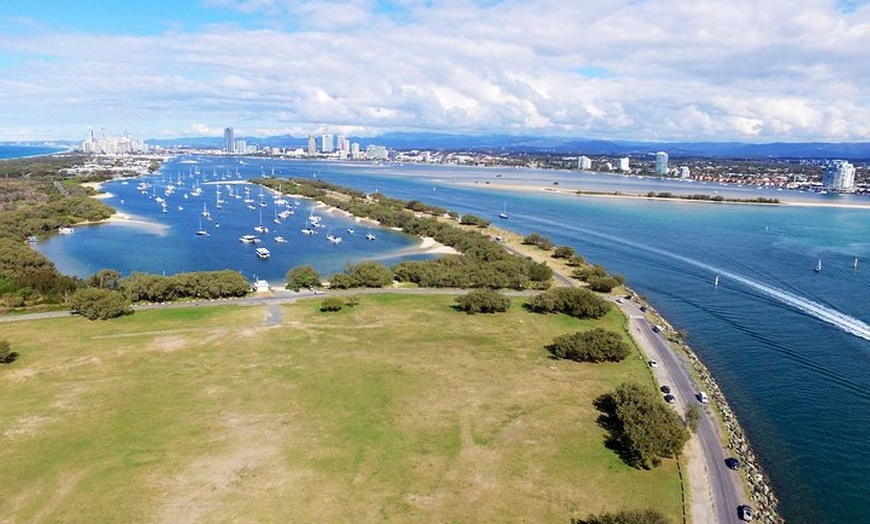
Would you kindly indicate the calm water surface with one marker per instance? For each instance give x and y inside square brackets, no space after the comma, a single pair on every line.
[788,345]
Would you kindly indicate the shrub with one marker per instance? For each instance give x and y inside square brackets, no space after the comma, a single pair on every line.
[473,220]
[635,516]
[483,301]
[304,276]
[596,345]
[604,284]
[7,356]
[331,304]
[100,304]
[564,252]
[576,302]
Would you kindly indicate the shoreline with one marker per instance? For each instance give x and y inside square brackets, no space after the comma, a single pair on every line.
[630,196]
[752,477]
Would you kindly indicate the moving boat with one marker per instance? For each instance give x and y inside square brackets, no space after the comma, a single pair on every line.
[818,267]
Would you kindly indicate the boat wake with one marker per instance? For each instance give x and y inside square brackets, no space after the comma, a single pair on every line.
[820,311]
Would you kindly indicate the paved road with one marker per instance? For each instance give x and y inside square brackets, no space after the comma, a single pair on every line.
[725,489]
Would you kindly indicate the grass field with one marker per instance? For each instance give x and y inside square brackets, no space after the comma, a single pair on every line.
[400,409]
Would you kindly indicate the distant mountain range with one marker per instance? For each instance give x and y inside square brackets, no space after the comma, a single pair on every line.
[561,145]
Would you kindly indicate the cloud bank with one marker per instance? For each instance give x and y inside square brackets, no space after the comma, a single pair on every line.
[649,70]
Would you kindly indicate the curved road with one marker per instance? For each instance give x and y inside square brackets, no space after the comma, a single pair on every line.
[724,489]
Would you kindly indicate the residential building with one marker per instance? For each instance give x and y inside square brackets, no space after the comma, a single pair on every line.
[312,145]
[327,144]
[661,163]
[684,172]
[839,176]
[623,164]
[584,163]
[229,140]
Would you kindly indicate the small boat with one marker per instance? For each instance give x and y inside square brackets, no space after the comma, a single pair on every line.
[818,268]
[503,214]
[716,281]
[32,239]
[307,231]
[201,232]
[249,239]
[333,239]
[350,230]
[65,230]
[855,263]
[370,236]
[280,239]
[263,253]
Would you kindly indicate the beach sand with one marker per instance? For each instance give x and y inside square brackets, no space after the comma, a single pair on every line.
[629,196]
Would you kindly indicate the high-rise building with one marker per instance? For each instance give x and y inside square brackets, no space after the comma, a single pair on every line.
[623,164]
[312,145]
[374,152]
[240,147]
[354,151]
[839,176]
[661,163]
[343,144]
[685,172]
[229,140]
[327,144]
[584,163]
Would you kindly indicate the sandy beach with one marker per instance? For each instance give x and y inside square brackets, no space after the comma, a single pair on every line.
[629,196]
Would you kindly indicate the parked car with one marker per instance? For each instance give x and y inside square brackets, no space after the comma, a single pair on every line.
[744,512]
[666,389]
[670,399]
[703,398]
[732,463]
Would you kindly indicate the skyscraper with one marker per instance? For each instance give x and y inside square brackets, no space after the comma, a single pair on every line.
[326,143]
[229,140]
[312,145]
[839,176]
[661,163]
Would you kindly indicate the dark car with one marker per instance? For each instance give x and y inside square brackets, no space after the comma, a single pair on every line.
[732,463]
[670,399]
[643,308]
[666,389]
[744,512]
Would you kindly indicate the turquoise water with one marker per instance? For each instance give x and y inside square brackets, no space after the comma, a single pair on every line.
[789,346]
[7,151]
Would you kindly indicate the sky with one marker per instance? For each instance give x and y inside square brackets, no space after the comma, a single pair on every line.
[650,70]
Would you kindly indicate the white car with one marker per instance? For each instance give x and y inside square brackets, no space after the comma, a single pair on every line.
[653,363]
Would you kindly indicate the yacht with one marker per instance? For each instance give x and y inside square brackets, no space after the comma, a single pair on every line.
[263,253]
[280,239]
[307,231]
[249,239]
[65,230]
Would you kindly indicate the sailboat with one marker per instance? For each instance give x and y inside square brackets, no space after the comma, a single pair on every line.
[261,228]
[716,281]
[504,214]
[855,263]
[818,267]
[201,232]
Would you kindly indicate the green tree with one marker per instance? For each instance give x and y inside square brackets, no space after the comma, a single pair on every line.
[636,516]
[105,279]
[483,301]
[331,304]
[102,304]
[564,252]
[595,345]
[371,274]
[575,302]
[7,356]
[303,277]
[692,417]
[473,220]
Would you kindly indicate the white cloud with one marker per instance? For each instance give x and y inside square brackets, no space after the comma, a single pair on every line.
[713,70]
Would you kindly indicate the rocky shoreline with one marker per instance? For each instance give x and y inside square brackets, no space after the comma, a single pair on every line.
[763,498]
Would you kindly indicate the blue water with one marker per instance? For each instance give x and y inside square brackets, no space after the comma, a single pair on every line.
[8,151]
[789,346]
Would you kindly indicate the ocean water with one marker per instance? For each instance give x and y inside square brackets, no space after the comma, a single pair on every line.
[789,346]
[9,151]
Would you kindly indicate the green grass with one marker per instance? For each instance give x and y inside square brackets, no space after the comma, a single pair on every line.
[400,409]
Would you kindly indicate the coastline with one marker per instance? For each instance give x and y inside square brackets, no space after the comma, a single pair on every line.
[629,196]
[752,477]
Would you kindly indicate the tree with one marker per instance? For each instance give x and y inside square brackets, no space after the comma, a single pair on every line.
[7,356]
[473,220]
[331,304]
[595,345]
[105,279]
[636,516]
[371,274]
[564,252]
[302,277]
[575,302]
[646,429]
[102,304]
[483,301]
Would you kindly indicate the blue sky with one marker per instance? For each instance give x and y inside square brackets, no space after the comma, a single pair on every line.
[616,69]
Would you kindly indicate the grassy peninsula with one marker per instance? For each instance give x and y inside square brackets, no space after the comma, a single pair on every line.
[372,413]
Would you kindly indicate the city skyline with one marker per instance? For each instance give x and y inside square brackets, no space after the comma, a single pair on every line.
[658,70]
